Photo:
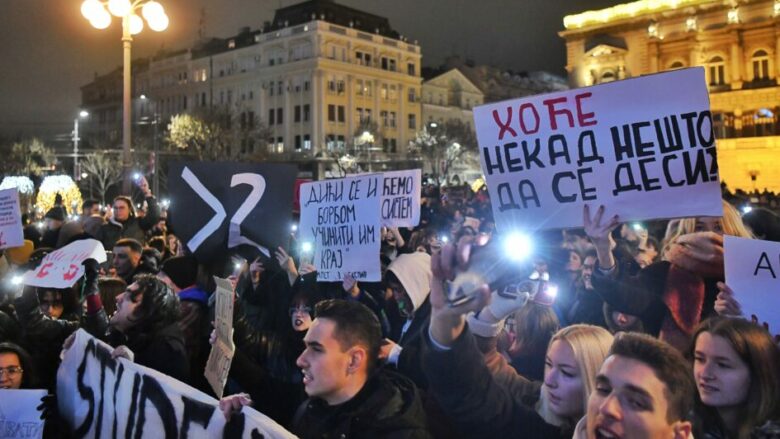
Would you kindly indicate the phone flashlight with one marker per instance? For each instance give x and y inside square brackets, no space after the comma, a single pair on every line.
[638,227]
[518,246]
[136,176]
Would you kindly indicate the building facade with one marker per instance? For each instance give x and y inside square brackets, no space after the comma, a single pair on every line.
[737,43]
[318,77]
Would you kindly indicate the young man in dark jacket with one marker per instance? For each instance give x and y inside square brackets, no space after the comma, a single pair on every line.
[124,223]
[348,396]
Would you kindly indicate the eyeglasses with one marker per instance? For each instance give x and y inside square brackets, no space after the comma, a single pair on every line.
[303,309]
[11,371]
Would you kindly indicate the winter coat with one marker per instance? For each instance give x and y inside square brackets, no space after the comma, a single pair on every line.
[388,406]
[482,402]
[133,227]
[195,326]
[43,337]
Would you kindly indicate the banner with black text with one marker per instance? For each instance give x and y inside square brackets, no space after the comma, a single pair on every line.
[99,396]
[643,147]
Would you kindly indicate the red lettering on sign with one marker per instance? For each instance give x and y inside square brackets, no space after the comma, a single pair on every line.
[71,273]
[42,272]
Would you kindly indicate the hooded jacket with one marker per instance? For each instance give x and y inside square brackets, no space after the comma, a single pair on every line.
[388,406]
[413,270]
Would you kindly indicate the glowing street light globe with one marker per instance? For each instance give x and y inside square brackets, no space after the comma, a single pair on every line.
[152,10]
[101,19]
[159,23]
[90,8]
[136,24]
[119,8]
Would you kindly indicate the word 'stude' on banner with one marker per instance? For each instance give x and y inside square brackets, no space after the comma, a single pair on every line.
[643,147]
[100,396]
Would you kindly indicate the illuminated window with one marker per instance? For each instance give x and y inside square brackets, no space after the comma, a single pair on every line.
[760,65]
[716,70]
[733,16]
[652,30]
[607,76]
[691,24]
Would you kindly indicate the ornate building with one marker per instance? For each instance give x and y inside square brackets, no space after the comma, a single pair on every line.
[318,76]
[738,44]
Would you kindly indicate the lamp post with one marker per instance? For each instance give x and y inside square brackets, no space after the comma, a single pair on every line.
[95,11]
[76,138]
[367,139]
[154,121]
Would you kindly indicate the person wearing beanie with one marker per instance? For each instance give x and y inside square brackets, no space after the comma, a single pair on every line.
[54,218]
[409,278]
[180,274]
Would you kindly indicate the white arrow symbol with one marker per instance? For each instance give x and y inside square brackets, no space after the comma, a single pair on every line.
[212,201]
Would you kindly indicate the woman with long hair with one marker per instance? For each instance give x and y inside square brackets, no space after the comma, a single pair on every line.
[735,369]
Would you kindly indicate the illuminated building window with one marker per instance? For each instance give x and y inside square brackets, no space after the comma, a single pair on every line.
[607,76]
[716,70]
[776,8]
[690,24]
[733,16]
[652,30]
[760,65]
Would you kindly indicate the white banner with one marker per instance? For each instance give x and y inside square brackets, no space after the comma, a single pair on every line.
[643,147]
[221,355]
[401,198]
[341,219]
[11,232]
[19,415]
[752,270]
[103,397]
[62,267]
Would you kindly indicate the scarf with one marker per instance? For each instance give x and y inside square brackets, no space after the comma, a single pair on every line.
[693,257]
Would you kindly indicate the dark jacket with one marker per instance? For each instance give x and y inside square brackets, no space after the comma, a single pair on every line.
[163,352]
[195,326]
[43,336]
[134,227]
[410,360]
[388,406]
[641,295]
[588,308]
[483,403]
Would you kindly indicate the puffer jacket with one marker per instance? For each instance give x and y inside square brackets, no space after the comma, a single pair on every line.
[388,406]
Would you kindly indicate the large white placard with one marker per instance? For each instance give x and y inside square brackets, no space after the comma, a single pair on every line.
[643,147]
[19,415]
[222,352]
[342,221]
[11,232]
[401,198]
[62,267]
[99,396]
[753,272]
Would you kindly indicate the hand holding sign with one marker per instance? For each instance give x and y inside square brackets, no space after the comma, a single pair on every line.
[63,267]
[725,303]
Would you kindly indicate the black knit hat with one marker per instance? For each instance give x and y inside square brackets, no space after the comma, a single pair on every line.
[56,213]
[182,270]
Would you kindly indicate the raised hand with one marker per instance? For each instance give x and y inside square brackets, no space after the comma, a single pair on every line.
[233,404]
[599,230]
[725,303]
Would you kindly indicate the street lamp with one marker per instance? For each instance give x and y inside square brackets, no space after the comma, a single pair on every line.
[99,12]
[367,139]
[82,114]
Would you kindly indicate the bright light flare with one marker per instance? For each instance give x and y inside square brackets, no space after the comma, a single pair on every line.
[746,209]
[101,19]
[159,23]
[306,247]
[17,280]
[152,10]
[90,8]
[638,227]
[294,228]
[518,246]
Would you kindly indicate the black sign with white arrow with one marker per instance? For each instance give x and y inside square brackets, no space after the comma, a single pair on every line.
[216,206]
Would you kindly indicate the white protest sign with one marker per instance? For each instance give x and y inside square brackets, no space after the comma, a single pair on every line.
[62,267]
[19,416]
[643,147]
[11,232]
[99,396]
[752,271]
[221,356]
[401,198]
[341,219]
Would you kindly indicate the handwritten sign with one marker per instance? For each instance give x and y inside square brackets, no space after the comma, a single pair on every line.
[62,267]
[643,147]
[341,219]
[753,272]
[401,198]
[222,352]
[100,396]
[11,232]
[19,415]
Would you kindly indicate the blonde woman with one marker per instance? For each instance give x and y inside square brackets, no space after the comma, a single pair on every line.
[675,294]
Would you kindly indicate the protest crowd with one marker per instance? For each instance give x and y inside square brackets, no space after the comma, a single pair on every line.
[613,329]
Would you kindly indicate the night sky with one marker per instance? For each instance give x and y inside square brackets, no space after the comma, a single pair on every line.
[49,50]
